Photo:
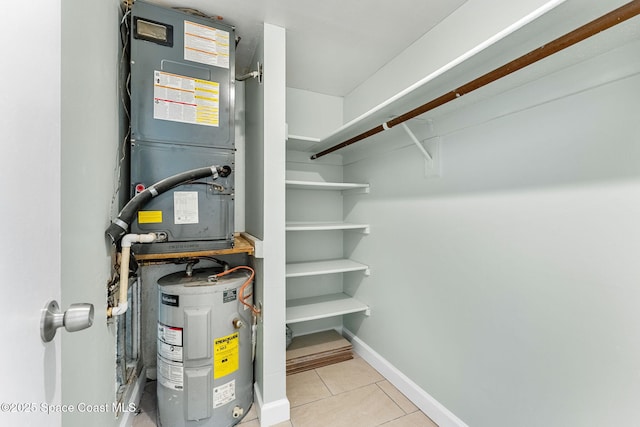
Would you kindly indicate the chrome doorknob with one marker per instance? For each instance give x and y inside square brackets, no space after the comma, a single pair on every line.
[76,318]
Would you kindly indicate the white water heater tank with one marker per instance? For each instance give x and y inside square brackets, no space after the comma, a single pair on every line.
[205,368]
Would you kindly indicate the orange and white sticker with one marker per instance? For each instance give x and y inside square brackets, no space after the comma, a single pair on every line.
[206,45]
[184,99]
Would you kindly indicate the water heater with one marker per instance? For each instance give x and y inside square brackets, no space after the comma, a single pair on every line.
[182,118]
[205,368]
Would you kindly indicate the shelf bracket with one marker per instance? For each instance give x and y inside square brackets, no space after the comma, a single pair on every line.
[424,151]
[431,156]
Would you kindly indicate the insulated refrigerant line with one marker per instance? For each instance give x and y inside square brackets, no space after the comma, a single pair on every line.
[592,28]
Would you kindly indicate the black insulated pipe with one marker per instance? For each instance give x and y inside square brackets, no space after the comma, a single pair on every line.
[118,228]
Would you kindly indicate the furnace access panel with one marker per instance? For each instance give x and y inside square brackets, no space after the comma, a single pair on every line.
[182,118]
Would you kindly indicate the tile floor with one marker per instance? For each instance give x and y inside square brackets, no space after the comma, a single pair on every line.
[347,394]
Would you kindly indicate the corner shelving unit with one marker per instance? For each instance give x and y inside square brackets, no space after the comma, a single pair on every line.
[326,305]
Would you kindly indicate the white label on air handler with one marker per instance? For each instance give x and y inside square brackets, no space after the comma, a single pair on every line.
[185,207]
[184,99]
[206,45]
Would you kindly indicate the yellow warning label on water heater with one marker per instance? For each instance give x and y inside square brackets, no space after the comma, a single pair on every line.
[149,217]
[225,355]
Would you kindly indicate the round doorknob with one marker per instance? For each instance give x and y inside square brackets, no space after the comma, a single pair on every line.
[76,318]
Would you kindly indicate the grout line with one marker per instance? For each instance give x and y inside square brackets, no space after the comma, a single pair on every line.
[325,384]
[389,396]
[415,408]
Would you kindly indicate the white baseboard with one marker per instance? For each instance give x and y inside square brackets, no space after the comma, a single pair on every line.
[270,413]
[423,400]
[134,397]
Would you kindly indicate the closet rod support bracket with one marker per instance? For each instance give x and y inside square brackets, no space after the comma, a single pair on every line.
[423,150]
[430,149]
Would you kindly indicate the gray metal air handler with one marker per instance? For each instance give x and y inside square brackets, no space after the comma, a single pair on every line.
[182,118]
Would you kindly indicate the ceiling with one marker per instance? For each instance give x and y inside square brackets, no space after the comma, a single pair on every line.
[332,45]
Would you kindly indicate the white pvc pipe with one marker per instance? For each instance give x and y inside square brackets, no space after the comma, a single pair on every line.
[126,243]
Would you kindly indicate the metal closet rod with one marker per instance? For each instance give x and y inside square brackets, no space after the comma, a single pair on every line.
[594,27]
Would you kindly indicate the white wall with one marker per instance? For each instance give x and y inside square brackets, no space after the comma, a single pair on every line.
[90,137]
[313,114]
[30,208]
[265,207]
[514,276]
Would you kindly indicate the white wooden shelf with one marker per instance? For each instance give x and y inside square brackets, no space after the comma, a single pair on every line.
[318,185]
[325,226]
[322,307]
[302,143]
[528,33]
[316,268]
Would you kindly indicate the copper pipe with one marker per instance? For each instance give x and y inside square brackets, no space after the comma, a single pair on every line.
[592,28]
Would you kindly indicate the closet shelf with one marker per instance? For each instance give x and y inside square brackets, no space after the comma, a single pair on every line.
[325,226]
[323,306]
[301,143]
[315,268]
[524,35]
[318,185]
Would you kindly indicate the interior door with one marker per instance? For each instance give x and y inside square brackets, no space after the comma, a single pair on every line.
[29,212]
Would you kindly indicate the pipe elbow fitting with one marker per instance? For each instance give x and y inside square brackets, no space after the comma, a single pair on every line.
[121,308]
[129,239]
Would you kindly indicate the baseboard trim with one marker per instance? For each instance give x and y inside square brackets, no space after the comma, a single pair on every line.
[270,413]
[134,397]
[423,400]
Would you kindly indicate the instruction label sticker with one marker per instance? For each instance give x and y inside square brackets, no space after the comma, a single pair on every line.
[149,217]
[224,394]
[185,99]
[185,207]
[169,334]
[170,352]
[170,374]
[225,355]
[206,45]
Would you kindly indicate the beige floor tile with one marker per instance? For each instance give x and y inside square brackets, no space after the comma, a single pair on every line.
[363,407]
[147,406]
[349,375]
[416,419]
[251,415]
[144,419]
[256,423]
[397,396]
[305,387]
